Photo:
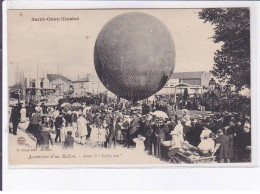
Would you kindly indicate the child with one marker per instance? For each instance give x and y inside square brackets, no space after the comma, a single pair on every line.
[69,141]
[71,129]
[94,135]
[102,136]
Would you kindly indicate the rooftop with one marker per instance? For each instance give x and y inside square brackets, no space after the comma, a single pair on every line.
[187,75]
[85,79]
[15,88]
[52,77]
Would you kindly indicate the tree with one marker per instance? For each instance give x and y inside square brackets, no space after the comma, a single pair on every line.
[232,60]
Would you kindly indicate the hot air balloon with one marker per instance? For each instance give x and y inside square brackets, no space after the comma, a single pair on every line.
[134,55]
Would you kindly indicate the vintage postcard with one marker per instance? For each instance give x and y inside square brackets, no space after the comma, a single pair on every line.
[102,87]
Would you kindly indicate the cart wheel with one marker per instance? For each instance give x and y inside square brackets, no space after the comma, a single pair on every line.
[175,160]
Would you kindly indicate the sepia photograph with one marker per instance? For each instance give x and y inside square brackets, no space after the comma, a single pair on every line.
[108,87]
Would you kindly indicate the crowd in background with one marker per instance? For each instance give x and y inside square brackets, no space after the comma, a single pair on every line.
[124,124]
[209,103]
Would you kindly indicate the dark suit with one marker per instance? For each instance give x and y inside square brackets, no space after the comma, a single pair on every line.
[58,125]
[134,126]
[112,134]
[125,132]
[224,149]
[149,137]
[15,119]
[196,130]
[154,139]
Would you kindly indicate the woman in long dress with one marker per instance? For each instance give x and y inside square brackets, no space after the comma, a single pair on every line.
[105,126]
[119,137]
[82,129]
[62,135]
[23,114]
[94,135]
[102,136]
[178,130]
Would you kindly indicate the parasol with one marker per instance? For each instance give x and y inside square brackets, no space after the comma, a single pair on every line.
[160,114]
[88,108]
[66,106]
[40,103]
[76,104]
[51,104]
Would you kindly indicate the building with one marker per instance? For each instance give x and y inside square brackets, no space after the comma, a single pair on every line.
[80,86]
[194,82]
[59,83]
[88,85]
[191,89]
[200,78]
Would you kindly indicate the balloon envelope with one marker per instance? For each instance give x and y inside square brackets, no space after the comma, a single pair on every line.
[134,55]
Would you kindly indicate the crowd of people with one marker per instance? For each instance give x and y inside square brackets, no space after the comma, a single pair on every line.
[225,134]
[209,102]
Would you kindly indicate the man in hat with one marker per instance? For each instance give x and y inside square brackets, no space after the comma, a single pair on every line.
[197,129]
[125,130]
[226,118]
[152,141]
[97,120]
[142,120]
[58,126]
[15,119]
[147,132]
[9,117]
[108,116]
[133,128]
[56,113]
[161,136]
[112,134]
[230,131]
[171,125]
[212,126]
[223,144]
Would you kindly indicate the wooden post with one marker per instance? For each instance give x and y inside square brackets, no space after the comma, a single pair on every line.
[175,99]
[118,99]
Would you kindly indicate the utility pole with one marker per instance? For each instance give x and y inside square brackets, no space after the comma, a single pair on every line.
[36,90]
[59,77]
[29,78]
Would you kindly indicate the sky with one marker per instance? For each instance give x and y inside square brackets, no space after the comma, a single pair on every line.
[67,47]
